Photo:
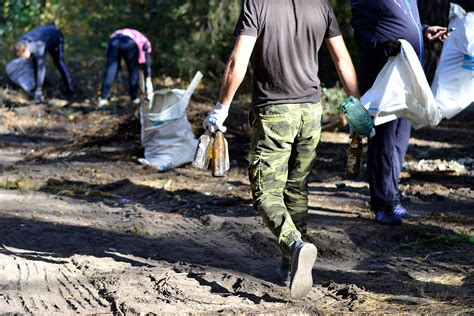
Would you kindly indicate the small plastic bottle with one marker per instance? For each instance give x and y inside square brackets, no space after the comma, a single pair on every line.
[203,151]
[219,154]
[354,156]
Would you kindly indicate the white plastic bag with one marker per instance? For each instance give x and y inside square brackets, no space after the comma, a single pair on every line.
[166,133]
[20,71]
[401,90]
[453,86]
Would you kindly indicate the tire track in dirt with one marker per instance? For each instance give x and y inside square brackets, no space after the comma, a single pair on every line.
[40,286]
[85,290]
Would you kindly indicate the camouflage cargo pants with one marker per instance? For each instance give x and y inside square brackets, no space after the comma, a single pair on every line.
[282,153]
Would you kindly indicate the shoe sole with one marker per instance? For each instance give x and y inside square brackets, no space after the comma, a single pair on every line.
[394,223]
[302,278]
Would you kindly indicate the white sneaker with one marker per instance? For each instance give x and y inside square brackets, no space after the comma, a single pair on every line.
[136,101]
[102,102]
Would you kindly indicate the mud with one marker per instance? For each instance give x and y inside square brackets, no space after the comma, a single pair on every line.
[86,229]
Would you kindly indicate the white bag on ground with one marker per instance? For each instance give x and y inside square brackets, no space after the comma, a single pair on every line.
[166,133]
[453,86]
[20,71]
[401,90]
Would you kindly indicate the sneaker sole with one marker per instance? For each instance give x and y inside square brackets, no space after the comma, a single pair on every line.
[302,278]
[393,223]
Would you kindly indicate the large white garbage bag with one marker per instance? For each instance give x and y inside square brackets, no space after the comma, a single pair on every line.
[20,71]
[401,90]
[166,133]
[453,86]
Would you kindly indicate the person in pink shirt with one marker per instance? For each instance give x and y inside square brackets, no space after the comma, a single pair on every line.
[135,48]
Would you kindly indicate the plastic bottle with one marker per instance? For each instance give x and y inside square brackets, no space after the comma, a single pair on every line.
[354,156]
[358,117]
[219,155]
[203,151]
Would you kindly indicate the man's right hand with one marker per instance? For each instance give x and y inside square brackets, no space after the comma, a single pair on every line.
[392,47]
[215,120]
[38,97]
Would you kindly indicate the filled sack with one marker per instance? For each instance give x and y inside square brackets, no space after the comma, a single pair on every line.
[166,133]
[20,71]
[402,90]
[453,85]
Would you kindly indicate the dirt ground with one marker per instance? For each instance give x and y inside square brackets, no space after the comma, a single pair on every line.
[86,229]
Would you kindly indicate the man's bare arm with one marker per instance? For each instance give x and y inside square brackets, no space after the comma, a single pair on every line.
[343,62]
[236,68]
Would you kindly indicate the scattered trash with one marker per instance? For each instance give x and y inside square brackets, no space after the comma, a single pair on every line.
[213,149]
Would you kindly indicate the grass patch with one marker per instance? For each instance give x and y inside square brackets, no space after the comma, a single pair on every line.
[76,189]
[449,239]
[23,184]
[73,191]
[134,230]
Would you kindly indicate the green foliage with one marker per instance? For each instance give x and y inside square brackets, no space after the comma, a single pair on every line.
[16,17]
[198,35]
[22,183]
[332,99]
[186,35]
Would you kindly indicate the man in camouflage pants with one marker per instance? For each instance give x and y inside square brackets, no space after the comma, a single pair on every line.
[285,37]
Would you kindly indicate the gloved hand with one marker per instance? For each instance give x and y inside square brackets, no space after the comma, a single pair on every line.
[38,97]
[148,86]
[392,47]
[215,120]
[352,132]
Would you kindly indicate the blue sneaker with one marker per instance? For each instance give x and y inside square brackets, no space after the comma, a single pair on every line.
[401,212]
[387,218]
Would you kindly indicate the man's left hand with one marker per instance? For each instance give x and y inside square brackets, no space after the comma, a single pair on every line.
[436,32]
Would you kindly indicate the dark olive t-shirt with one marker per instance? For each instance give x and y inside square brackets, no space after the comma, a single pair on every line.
[285,58]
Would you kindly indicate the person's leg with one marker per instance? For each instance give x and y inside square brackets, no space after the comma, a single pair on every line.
[130,51]
[273,132]
[383,169]
[300,164]
[111,66]
[380,166]
[274,129]
[57,53]
[402,135]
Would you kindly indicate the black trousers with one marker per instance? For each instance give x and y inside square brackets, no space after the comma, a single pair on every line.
[385,158]
[57,54]
[121,46]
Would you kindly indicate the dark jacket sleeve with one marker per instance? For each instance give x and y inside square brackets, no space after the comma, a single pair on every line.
[364,22]
[147,65]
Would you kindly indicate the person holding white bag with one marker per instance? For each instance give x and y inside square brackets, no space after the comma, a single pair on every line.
[378,25]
